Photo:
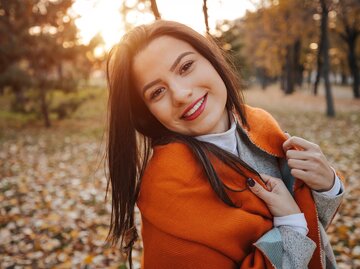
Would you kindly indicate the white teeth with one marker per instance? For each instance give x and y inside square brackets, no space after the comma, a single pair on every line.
[195,107]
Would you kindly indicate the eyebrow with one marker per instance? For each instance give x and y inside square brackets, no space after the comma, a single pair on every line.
[172,68]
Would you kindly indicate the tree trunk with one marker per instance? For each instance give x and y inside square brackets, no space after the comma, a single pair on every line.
[353,65]
[309,73]
[300,75]
[155,9]
[44,106]
[206,16]
[343,79]
[263,78]
[343,75]
[350,35]
[283,78]
[289,85]
[299,68]
[319,64]
[18,104]
[330,112]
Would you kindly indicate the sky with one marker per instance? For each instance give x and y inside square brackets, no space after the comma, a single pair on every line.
[103,15]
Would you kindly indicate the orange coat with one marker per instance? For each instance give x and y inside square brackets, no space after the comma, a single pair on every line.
[185,224]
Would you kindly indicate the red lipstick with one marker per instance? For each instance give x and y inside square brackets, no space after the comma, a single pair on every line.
[198,111]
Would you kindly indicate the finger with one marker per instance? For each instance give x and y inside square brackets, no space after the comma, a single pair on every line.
[258,190]
[298,173]
[265,177]
[300,164]
[287,134]
[297,154]
[297,142]
[268,178]
[270,181]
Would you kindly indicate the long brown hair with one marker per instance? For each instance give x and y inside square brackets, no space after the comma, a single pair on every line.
[134,131]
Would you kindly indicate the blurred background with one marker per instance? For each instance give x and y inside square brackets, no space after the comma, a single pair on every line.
[298,59]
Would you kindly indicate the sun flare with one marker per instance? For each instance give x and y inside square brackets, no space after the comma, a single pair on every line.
[104,16]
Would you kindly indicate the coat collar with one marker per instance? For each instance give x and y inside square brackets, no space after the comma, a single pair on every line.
[263,131]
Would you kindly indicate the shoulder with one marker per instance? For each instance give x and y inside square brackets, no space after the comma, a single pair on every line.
[172,171]
[259,118]
[171,162]
[174,155]
[264,131]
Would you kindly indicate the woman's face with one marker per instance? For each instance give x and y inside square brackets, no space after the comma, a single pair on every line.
[181,88]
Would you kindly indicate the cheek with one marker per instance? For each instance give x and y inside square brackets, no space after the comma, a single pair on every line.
[219,90]
[160,111]
[216,83]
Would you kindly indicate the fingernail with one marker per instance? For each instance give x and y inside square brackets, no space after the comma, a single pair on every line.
[250,182]
[286,132]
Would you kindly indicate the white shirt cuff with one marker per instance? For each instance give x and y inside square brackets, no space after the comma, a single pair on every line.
[334,191]
[296,222]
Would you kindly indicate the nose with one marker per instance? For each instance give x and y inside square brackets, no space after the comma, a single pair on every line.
[181,94]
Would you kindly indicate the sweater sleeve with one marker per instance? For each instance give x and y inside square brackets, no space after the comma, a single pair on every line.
[296,249]
[292,243]
[336,189]
[297,222]
[328,205]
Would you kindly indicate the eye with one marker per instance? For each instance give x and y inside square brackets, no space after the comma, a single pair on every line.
[156,93]
[186,66]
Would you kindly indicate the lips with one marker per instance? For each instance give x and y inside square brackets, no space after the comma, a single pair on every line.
[195,108]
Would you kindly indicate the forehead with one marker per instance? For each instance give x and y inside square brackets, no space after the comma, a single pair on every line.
[157,57]
[163,47]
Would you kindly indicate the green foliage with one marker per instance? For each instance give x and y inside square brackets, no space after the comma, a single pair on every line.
[40,52]
[81,104]
[15,119]
[64,105]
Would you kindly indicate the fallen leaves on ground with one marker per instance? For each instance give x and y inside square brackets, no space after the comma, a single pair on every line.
[52,203]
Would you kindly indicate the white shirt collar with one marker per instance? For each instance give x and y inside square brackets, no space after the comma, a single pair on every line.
[225,140]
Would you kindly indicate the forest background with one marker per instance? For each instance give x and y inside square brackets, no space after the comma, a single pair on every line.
[298,59]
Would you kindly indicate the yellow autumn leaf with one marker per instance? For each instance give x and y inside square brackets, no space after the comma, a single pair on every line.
[88,259]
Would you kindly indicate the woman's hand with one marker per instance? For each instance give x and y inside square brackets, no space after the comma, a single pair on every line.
[308,163]
[277,197]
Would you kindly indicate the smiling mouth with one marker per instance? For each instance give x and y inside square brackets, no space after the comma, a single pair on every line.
[195,110]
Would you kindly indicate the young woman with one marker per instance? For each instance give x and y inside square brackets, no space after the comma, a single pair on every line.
[217,182]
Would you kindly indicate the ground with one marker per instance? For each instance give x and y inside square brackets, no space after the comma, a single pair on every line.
[53,211]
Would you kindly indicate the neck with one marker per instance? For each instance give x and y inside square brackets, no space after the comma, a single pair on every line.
[225,140]
[226,122]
